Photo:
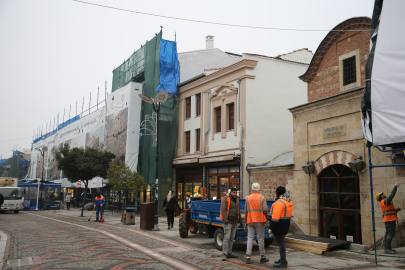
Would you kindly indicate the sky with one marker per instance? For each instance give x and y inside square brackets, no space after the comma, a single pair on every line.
[54,53]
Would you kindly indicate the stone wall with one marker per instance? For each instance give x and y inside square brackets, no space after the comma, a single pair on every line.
[270,178]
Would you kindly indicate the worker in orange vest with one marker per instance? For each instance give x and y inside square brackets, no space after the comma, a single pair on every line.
[230,216]
[389,217]
[255,217]
[99,204]
[280,216]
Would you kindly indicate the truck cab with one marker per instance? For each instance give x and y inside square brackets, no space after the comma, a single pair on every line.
[12,194]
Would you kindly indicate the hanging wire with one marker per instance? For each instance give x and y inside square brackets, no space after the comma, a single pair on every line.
[217,23]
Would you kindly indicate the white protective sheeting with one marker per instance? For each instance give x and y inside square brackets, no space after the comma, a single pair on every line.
[388,80]
[115,129]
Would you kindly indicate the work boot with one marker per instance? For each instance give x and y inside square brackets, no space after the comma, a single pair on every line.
[280,264]
[389,251]
[279,260]
[263,259]
[96,220]
[232,255]
[168,227]
[224,257]
[248,261]
[172,225]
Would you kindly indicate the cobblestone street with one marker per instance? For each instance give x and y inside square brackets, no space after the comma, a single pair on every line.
[63,240]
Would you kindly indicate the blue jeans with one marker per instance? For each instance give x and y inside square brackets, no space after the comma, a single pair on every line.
[101,211]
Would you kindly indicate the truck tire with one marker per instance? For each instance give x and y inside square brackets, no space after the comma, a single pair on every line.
[268,242]
[183,229]
[219,238]
[16,211]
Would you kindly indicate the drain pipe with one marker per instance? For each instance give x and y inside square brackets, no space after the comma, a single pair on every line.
[207,132]
[241,142]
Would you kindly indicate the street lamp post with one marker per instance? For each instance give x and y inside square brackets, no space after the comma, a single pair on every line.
[42,151]
[160,98]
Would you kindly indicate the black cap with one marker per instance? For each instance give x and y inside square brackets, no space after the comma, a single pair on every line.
[280,191]
[234,189]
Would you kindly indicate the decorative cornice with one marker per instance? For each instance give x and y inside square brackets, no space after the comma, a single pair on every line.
[243,64]
[360,23]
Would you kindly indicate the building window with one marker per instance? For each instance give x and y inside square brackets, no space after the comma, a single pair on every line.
[188,142]
[188,107]
[349,70]
[197,146]
[231,116]
[198,105]
[218,119]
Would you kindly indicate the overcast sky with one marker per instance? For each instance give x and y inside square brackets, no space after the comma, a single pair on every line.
[54,52]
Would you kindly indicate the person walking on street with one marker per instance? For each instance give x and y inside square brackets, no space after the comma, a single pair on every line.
[255,217]
[99,204]
[230,216]
[389,217]
[280,215]
[67,200]
[1,199]
[169,205]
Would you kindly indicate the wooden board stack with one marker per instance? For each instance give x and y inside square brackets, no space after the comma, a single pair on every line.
[305,245]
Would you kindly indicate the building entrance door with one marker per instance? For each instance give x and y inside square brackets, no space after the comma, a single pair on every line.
[339,199]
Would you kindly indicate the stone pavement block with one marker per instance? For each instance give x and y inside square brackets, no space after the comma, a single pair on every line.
[319,265]
[302,267]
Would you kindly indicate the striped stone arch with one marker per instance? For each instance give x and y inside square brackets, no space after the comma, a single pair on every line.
[332,158]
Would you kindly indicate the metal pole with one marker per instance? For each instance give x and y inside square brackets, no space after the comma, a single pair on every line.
[156,107]
[370,165]
[98,91]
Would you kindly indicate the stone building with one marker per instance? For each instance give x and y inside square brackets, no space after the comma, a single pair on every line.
[334,201]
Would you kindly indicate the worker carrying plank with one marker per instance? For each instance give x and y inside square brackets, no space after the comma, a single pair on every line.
[389,217]
[280,216]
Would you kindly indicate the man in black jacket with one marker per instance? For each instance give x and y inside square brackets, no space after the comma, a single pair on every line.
[1,199]
[230,216]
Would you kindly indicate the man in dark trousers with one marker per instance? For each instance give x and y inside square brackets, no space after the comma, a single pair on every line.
[389,217]
[1,199]
[99,204]
[230,216]
[280,215]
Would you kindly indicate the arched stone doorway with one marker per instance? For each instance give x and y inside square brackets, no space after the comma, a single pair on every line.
[339,203]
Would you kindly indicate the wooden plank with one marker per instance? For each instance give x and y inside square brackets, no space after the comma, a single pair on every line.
[305,248]
[324,246]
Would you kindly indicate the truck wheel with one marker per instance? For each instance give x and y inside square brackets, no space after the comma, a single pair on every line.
[183,230]
[219,238]
[16,211]
[268,242]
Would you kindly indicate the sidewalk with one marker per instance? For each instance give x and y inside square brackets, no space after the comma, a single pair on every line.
[341,259]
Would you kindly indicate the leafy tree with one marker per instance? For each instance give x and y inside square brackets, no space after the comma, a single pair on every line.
[83,164]
[122,178]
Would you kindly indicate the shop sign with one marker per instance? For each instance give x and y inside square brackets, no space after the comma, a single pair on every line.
[334,131]
[333,237]
[79,184]
[349,238]
[214,159]
[185,161]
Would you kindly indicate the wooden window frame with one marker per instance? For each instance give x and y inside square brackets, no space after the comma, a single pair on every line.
[218,119]
[198,105]
[187,141]
[188,107]
[198,138]
[231,116]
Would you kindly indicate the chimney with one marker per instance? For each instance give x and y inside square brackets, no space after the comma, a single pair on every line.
[209,42]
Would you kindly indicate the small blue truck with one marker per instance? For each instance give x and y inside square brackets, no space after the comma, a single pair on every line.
[203,217]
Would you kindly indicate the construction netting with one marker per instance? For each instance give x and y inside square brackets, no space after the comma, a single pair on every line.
[131,68]
[17,166]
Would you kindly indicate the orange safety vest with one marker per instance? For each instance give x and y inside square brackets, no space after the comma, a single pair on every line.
[229,206]
[389,212]
[281,209]
[254,205]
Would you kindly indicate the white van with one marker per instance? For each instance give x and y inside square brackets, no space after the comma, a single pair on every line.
[13,195]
